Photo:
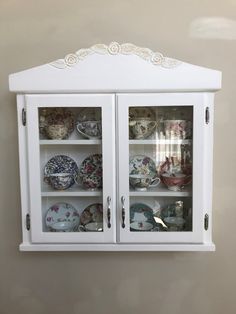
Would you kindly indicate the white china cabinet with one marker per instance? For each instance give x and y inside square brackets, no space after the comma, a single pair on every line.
[115,147]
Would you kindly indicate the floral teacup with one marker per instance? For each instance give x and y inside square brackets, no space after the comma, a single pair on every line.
[60,181]
[90,129]
[57,131]
[91,181]
[141,128]
[142,182]
[177,129]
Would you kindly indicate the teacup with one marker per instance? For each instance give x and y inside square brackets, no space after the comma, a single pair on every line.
[141,182]
[175,223]
[60,181]
[57,131]
[92,226]
[91,182]
[90,129]
[177,129]
[141,128]
[176,182]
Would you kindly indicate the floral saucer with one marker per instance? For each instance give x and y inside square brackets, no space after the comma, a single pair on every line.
[60,164]
[141,112]
[55,117]
[62,217]
[89,114]
[92,213]
[142,165]
[90,172]
[141,226]
[140,212]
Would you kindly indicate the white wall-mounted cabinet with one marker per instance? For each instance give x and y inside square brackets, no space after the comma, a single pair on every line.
[115,146]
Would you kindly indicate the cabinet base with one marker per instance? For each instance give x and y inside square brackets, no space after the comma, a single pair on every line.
[118,247]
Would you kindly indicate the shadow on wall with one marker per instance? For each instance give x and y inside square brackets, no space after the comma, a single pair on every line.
[213,28]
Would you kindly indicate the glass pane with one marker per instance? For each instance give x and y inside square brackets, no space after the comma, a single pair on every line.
[71,169]
[160,168]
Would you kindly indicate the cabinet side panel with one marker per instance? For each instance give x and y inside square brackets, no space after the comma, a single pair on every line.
[208,165]
[23,164]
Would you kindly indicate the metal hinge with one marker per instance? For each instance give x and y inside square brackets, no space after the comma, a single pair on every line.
[28,221]
[23,116]
[206,221]
[207,115]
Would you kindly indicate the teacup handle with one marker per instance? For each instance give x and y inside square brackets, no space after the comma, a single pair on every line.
[75,179]
[78,129]
[46,179]
[155,182]
[81,228]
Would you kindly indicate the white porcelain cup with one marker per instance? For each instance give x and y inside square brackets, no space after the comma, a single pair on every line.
[90,129]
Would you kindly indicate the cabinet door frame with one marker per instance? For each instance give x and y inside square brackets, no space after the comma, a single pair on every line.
[107,105]
[197,101]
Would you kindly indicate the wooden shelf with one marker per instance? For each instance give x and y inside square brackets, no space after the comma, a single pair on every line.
[159,142]
[70,142]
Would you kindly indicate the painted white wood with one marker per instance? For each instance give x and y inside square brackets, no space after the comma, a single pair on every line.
[23,165]
[208,246]
[161,190]
[110,70]
[208,164]
[73,191]
[118,69]
[158,142]
[70,142]
[106,103]
[196,100]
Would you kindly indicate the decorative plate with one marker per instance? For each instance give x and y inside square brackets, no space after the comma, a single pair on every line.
[92,213]
[89,114]
[141,226]
[140,212]
[143,165]
[62,214]
[141,112]
[55,116]
[91,172]
[60,164]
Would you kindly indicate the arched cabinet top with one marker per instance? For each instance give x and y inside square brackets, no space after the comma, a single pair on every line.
[115,68]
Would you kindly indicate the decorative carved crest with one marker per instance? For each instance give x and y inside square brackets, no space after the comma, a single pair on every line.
[156,58]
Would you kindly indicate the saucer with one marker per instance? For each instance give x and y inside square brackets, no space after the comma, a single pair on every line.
[141,112]
[141,226]
[62,217]
[141,212]
[92,213]
[89,114]
[60,164]
[55,116]
[142,165]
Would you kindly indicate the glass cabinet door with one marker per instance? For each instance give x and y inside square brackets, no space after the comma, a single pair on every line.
[71,168]
[160,168]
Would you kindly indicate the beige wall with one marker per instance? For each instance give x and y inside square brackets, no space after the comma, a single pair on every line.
[36,32]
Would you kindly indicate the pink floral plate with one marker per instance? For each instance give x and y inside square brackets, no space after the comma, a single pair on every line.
[62,217]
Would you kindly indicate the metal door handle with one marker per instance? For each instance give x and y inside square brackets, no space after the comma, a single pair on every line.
[123,211]
[109,212]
